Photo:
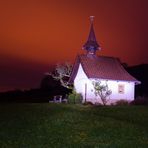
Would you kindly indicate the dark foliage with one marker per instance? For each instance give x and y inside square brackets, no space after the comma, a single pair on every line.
[88,103]
[121,102]
[33,95]
[140,101]
[48,83]
[75,98]
[49,88]
[140,72]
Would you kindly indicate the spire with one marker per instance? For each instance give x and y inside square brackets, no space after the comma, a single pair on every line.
[91,45]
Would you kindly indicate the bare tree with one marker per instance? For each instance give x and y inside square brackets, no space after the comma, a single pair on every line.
[62,73]
[102,91]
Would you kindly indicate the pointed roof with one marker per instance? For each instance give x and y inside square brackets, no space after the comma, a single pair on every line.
[101,67]
[91,41]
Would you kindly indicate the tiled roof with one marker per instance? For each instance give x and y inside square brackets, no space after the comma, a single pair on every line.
[101,67]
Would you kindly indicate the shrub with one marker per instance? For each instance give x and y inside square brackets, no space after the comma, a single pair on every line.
[88,103]
[140,101]
[74,98]
[121,102]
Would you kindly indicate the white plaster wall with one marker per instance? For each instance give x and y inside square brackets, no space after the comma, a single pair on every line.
[80,81]
[129,88]
[84,86]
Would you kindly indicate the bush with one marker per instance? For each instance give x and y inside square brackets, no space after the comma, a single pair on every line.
[121,102]
[88,103]
[140,101]
[75,98]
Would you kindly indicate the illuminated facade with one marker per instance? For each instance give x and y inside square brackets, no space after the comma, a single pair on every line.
[89,67]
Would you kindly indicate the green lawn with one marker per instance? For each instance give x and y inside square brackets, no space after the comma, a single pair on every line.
[72,126]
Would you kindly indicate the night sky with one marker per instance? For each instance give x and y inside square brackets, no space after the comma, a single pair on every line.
[36,34]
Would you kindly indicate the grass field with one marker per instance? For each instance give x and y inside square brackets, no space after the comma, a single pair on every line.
[72,126]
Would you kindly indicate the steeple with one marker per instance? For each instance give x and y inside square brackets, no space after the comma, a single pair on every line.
[91,45]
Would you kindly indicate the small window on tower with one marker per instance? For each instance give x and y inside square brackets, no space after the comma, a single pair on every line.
[121,88]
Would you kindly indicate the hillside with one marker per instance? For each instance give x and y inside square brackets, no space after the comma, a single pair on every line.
[72,126]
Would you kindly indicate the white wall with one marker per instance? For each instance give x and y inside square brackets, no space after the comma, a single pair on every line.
[84,86]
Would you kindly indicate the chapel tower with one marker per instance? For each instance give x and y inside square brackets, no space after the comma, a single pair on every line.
[91,45]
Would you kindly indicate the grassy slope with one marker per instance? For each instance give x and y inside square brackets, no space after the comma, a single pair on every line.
[57,125]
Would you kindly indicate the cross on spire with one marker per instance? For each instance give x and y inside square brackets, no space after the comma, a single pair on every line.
[91,45]
[92,19]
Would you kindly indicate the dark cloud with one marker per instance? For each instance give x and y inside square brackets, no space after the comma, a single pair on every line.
[16,73]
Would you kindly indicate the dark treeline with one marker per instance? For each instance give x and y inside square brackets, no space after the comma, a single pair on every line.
[48,88]
[140,72]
